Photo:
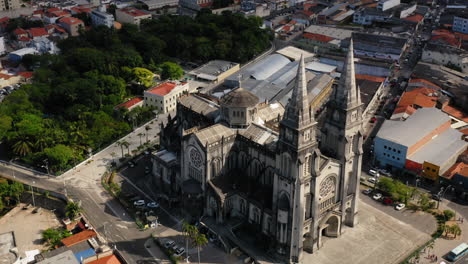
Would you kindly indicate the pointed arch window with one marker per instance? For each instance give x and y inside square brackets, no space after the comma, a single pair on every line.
[307,162]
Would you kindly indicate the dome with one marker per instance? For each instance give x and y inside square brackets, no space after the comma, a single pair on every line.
[240,98]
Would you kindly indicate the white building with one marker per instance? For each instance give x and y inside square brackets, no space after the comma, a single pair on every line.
[164,96]
[101,17]
[131,15]
[460,24]
[387,4]
[2,46]
[446,55]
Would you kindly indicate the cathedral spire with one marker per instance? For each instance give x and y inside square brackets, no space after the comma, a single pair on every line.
[347,92]
[298,110]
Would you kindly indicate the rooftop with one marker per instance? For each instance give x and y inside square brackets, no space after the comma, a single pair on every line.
[240,98]
[294,53]
[37,32]
[163,89]
[128,104]
[317,37]
[214,133]
[200,105]
[112,259]
[460,168]
[377,42]
[66,257]
[133,12]
[317,66]
[441,148]
[212,69]
[77,238]
[421,97]
[71,20]
[333,32]
[417,126]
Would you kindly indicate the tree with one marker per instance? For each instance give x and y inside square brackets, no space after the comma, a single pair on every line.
[189,232]
[59,156]
[448,214]
[456,230]
[200,241]
[424,202]
[140,135]
[170,70]
[147,128]
[73,210]
[143,76]
[53,236]
[22,147]
[113,155]
[5,125]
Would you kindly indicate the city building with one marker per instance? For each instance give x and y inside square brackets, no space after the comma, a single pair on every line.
[164,96]
[379,46]
[158,4]
[72,25]
[460,24]
[130,104]
[384,5]
[423,143]
[101,17]
[457,177]
[2,46]
[446,55]
[131,15]
[215,71]
[234,162]
[9,4]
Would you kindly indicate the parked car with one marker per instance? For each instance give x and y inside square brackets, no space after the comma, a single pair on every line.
[374,173]
[377,196]
[367,191]
[139,203]
[386,173]
[372,120]
[399,207]
[131,164]
[179,251]
[372,180]
[169,244]
[153,205]
[387,201]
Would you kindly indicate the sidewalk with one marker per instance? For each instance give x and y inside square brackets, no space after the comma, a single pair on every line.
[443,245]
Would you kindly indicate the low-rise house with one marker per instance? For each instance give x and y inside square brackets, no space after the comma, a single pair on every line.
[130,104]
[457,177]
[159,4]
[37,33]
[17,55]
[72,25]
[101,17]
[164,96]
[19,32]
[131,15]
[79,237]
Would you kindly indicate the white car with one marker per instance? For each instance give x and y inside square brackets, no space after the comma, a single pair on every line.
[153,205]
[377,196]
[169,244]
[399,207]
[367,191]
[372,180]
[179,251]
[374,173]
[139,203]
[386,173]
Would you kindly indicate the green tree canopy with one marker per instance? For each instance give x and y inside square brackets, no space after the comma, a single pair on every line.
[170,70]
[143,76]
[59,155]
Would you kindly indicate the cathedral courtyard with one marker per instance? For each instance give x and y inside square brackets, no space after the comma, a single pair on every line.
[378,238]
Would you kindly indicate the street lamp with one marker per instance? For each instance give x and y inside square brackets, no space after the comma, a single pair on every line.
[32,191]
[442,192]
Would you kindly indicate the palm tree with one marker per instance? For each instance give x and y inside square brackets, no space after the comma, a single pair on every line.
[121,145]
[147,128]
[140,135]
[41,143]
[200,240]
[113,155]
[22,147]
[189,231]
[456,230]
[126,144]
[73,210]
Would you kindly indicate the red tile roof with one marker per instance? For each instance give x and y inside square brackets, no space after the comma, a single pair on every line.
[286,28]
[128,104]
[52,28]
[37,32]
[38,12]
[404,109]
[26,75]
[419,97]
[71,20]
[112,259]
[81,9]
[370,78]
[133,11]
[54,9]
[457,168]
[464,131]
[163,89]
[455,113]
[60,13]
[20,31]
[447,37]
[77,238]
[4,19]
[317,37]
[414,18]
[5,76]
[24,38]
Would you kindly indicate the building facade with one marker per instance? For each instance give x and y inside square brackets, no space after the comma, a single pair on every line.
[460,24]
[71,25]
[9,4]
[101,17]
[239,159]
[164,96]
[131,15]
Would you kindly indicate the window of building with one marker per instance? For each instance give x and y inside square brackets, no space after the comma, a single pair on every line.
[385,147]
[433,170]
[399,151]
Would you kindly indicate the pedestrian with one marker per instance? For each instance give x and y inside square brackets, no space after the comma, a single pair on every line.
[437,258]
[462,220]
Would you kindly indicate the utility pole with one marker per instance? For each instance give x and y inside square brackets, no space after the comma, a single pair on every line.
[32,191]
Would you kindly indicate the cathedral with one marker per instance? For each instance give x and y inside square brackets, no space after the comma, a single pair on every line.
[267,166]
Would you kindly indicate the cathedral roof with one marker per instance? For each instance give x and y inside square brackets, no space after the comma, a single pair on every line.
[214,133]
[200,105]
[240,98]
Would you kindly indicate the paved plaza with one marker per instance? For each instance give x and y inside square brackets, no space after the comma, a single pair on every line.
[378,238]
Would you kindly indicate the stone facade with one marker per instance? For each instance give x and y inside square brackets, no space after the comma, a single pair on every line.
[261,165]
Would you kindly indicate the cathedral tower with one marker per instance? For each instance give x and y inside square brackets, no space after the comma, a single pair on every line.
[297,142]
[342,137]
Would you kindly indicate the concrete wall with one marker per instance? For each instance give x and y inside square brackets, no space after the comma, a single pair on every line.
[389,153]
[443,58]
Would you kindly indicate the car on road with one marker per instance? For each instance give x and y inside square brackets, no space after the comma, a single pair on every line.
[169,244]
[372,180]
[139,203]
[153,205]
[386,173]
[374,173]
[377,196]
[367,191]
[179,251]
[131,164]
[399,207]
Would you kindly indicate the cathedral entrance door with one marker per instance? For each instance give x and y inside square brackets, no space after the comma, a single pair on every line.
[329,229]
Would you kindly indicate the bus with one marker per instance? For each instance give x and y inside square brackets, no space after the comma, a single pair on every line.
[457,252]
